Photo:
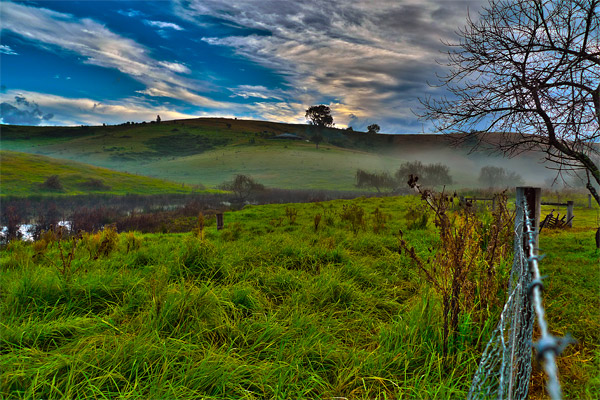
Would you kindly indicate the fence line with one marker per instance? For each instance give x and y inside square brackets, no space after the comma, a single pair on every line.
[505,367]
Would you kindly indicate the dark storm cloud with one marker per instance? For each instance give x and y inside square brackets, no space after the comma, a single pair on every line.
[373,58]
[23,112]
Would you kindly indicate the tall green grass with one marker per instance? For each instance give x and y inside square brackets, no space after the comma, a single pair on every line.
[265,308]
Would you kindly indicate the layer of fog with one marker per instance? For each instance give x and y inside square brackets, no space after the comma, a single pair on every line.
[465,167]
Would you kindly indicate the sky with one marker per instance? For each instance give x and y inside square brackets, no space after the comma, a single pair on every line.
[93,62]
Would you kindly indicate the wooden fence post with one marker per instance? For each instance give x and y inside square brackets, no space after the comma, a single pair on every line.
[522,321]
[589,200]
[533,197]
[219,221]
[570,214]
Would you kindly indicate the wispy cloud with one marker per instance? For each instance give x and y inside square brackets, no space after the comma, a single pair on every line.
[100,46]
[163,25]
[59,110]
[258,92]
[4,49]
[131,13]
[175,67]
[368,60]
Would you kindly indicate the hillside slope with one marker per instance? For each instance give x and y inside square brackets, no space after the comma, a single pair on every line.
[209,151]
[25,174]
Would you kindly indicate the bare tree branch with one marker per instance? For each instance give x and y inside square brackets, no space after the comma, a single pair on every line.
[528,70]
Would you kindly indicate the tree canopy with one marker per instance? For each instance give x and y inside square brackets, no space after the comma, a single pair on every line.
[243,187]
[377,180]
[429,174]
[320,116]
[373,128]
[494,177]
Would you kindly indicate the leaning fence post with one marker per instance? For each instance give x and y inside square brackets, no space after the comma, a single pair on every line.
[219,221]
[533,197]
[523,321]
[570,214]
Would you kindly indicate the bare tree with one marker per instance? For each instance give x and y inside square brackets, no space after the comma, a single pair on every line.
[529,69]
[429,174]
[378,180]
[243,187]
[494,177]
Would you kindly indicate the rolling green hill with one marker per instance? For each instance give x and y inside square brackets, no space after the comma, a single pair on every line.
[209,151]
[27,174]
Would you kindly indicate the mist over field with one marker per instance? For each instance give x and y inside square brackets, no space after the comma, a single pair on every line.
[207,152]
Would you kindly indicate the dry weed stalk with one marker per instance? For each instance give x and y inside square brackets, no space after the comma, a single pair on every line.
[317,221]
[291,213]
[101,243]
[464,268]
[379,220]
[200,226]
[355,215]
[132,242]
[57,235]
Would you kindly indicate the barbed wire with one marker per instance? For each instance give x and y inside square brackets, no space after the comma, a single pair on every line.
[505,367]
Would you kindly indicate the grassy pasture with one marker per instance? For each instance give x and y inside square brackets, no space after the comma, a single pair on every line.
[274,164]
[210,155]
[209,151]
[23,174]
[269,307]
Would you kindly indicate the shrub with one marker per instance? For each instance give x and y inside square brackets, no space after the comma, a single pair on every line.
[379,220]
[132,242]
[52,183]
[94,184]
[464,268]
[243,187]
[417,218]
[199,229]
[13,220]
[89,220]
[103,243]
[291,213]
[354,215]
[66,252]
